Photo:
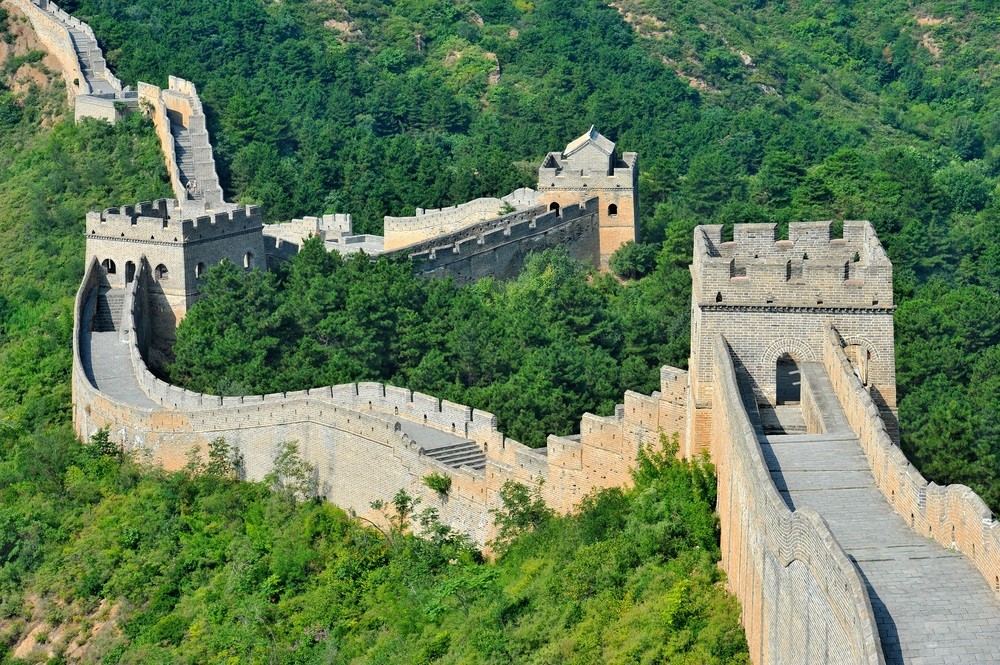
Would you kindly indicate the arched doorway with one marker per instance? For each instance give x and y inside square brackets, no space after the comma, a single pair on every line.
[788,381]
[161,272]
[129,272]
[554,207]
[109,267]
[248,260]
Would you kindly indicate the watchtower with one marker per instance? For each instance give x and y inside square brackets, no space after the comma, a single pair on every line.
[589,167]
[773,299]
[178,247]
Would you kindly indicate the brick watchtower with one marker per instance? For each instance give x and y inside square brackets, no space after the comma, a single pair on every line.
[772,300]
[589,167]
[178,247]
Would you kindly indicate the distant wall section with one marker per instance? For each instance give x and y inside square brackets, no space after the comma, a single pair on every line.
[497,248]
[433,223]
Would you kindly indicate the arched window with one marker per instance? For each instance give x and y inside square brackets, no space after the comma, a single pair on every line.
[161,272]
[129,272]
[248,260]
[109,267]
[788,381]
[613,210]
[555,207]
[199,270]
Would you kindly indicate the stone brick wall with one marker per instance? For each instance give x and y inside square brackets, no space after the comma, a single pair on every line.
[955,516]
[589,167]
[149,98]
[54,35]
[803,601]
[159,232]
[432,223]
[773,297]
[497,248]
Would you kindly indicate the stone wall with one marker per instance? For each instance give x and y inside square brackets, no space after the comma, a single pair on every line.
[803,601]
[955,516]
[593,172]
[772,297]
[351,433]
[432,223]
[55,37]
[177,249]
[498,247]
[150,100]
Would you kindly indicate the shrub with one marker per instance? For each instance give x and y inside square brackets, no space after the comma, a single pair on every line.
[438,482]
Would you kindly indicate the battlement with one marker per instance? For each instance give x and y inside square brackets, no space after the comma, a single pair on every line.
[558,173]
[165,220]
[810,269]
[497,247]
[432,223]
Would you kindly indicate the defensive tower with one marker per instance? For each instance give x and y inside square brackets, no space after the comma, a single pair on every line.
[772,301]
[179,248]
[589,167]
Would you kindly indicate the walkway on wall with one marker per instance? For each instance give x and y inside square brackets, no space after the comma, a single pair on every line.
[106,361]
[91,61]
[185,154]
[931,604]
[105,354]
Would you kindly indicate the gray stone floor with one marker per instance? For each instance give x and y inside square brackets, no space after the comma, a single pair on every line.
[931,604]
[106,361]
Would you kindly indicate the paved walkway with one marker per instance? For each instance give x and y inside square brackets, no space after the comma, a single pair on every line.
[931,604]
[105,359]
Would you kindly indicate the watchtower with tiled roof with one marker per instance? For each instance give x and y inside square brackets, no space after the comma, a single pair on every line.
[587,168]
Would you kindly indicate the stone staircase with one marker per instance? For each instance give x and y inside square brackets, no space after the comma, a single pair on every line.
[782,419]
[88,52]
[109,310]
[457,455]
[185,154]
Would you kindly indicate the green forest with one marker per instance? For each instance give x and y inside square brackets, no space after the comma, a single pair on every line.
[741,110]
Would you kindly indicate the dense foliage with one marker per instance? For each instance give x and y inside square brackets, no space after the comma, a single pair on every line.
[194,566]
[538,351]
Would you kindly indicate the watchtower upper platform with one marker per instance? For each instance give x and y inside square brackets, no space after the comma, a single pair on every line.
[810,269]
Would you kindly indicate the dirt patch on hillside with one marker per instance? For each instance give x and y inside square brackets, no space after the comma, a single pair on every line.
[55,630]
[645,24]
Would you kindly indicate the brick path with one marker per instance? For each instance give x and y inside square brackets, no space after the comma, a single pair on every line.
[931,604]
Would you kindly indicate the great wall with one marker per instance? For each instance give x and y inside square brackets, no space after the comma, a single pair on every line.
[838,549]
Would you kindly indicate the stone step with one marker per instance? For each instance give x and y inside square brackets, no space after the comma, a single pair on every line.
[471,449]
[457,460]
[109,310]
[451,447]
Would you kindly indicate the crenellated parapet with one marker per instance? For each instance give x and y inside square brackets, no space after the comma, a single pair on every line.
[179,244]
[166,221]
[497,247]
[809,269]
[433,223]
[772,299]
[590,167]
